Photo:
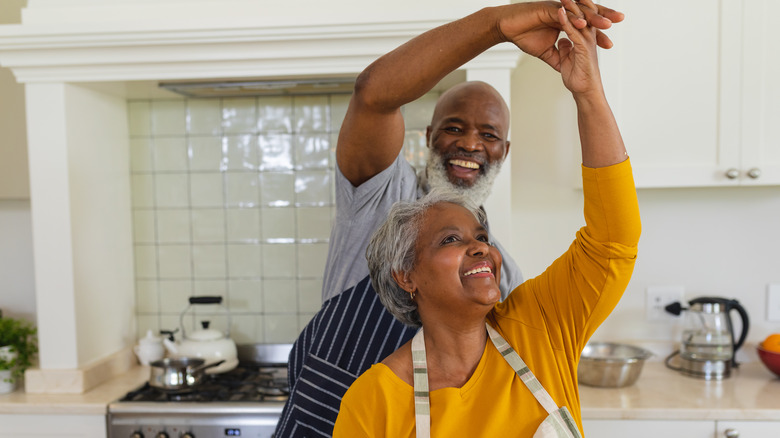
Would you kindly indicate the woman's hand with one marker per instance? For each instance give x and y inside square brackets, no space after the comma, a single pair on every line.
[578,59]
[535,27]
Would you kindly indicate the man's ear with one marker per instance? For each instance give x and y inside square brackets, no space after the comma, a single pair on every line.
[404,281]
[506,152]
[428,136]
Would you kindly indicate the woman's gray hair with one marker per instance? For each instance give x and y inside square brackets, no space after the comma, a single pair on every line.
[391,249]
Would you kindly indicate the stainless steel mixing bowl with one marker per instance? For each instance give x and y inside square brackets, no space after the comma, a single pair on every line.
[611,365]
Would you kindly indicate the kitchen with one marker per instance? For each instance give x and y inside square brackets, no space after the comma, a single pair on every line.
[681,221]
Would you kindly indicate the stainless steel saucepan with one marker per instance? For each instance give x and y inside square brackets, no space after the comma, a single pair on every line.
[179,374]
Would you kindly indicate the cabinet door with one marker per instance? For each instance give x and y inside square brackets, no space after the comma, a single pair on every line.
[760,93]
[647,428]
[52,426]
[747,429]
[663,80]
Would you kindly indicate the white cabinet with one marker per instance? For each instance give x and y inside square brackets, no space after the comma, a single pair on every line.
[693,87]
[680,428]
[747,429]
[760,92]
[52,426]
[648,428]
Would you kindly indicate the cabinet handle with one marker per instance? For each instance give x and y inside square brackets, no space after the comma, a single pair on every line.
[731,433]
[732,173]
[754,172]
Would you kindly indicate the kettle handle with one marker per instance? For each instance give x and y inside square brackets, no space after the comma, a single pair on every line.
[204,300]
[734,305]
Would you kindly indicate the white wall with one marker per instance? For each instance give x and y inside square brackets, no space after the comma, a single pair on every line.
[711,241]
[14,177]
[17,287]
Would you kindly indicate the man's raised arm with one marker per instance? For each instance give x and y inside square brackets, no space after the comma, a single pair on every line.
[373,130]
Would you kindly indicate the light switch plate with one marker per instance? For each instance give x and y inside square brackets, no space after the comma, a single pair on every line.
[773,302]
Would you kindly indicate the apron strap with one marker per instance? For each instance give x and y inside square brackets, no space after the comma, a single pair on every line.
[422,404]
[522,370]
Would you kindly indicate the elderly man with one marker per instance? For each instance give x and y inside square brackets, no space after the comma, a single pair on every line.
[468,142]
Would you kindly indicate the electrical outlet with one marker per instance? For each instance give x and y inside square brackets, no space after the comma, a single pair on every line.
[773,302]
[659,297]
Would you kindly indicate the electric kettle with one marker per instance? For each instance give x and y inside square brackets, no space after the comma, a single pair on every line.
[708,348]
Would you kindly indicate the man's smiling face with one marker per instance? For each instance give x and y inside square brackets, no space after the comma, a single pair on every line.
[468,132]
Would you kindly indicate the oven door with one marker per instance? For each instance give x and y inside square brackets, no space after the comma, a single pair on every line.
[193,420]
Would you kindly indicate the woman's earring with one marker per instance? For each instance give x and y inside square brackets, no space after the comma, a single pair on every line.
[412,295]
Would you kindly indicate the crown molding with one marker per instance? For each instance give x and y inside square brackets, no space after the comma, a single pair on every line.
[68,55]
[241,45]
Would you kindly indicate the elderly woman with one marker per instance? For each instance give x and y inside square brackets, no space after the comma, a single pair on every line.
[480,367]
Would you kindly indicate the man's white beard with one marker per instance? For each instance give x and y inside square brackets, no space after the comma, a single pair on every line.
[477,193]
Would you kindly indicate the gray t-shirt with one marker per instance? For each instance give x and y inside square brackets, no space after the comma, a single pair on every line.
[361,210]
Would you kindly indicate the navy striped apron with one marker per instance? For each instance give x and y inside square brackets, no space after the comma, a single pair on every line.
[331,352]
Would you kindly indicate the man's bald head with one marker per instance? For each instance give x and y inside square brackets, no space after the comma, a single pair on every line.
[478,95]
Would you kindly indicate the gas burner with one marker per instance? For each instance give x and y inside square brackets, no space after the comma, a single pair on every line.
[245,401]
[273,392]
[243,384]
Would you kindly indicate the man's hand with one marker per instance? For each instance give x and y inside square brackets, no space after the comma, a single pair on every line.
[535,27]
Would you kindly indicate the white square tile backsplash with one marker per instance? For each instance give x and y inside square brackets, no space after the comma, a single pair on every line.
[169,117]
[234,197]
[174,261]
[139,118]
[276,152]
[170,154]
[204,118]
[239,115]
[208,225]
[205,154]
[241,152]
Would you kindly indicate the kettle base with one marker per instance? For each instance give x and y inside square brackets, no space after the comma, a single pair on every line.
[705,369]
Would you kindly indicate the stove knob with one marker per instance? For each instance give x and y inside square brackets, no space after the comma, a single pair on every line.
[187,435]
[137,435]
[161,435]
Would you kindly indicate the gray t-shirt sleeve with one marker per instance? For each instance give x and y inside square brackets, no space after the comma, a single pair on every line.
[359,211]
[511,277]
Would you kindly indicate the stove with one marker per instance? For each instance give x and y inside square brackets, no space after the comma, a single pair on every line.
[246,401]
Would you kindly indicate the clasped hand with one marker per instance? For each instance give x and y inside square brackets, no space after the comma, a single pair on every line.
[535,28]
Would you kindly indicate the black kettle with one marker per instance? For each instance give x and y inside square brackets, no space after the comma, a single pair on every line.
[709,347]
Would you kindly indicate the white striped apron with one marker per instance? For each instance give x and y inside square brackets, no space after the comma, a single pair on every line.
[558,424]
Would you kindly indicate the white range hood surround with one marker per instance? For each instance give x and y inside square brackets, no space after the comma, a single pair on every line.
[78,60]
[96,40]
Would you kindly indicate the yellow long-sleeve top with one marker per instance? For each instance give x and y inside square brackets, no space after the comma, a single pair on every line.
[547,320]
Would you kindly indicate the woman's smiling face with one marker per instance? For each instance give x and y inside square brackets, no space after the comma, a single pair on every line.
[456,269]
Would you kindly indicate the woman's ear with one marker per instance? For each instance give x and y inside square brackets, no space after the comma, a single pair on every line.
[404,281]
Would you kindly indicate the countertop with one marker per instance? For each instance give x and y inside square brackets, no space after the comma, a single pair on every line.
[93,402]
[751,393]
